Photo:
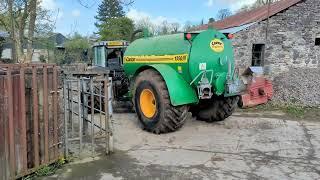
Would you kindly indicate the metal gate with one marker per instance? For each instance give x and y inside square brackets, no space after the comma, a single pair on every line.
[88,114]
[29,118]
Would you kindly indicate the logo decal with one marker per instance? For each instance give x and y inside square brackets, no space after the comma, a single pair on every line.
[115,43]
[179,58]
[217,45]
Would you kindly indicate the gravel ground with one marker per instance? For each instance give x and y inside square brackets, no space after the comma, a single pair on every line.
[245,146]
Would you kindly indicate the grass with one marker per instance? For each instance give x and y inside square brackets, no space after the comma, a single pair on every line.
[295,111]
[48,170]
[292,110]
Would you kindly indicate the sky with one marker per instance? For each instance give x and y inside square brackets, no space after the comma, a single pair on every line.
[78,15]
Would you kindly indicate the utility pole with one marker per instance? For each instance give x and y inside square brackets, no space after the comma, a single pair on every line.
[267,28]
[267,32]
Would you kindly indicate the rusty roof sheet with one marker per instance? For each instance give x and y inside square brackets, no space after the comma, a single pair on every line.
[255,15]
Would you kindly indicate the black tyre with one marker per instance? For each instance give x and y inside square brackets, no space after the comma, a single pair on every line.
[152,104]
[216,109]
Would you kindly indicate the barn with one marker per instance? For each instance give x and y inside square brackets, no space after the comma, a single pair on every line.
[283,38]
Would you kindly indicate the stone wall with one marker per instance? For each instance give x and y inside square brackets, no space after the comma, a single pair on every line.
[291,44]
[298,86]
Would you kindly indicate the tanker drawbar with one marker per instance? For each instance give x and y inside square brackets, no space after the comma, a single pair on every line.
[173,74]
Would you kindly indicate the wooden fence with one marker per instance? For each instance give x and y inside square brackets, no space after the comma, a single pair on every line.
[29,118]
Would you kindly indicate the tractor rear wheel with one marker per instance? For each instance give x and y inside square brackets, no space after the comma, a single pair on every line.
[152,104]
[216,109]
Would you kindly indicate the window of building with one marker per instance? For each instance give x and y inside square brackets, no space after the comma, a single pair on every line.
[317,43]
[258,54]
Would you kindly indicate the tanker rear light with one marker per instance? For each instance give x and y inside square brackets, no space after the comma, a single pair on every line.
[230,36]
[188,36]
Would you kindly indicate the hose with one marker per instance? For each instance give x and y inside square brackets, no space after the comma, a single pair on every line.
[135,33]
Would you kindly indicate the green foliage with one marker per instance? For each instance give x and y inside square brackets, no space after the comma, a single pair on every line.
[295,111]
[48,170]
[76,49]
[292,110]
[42,58]
[119,28]
[45,171]
[109,9]
[111,21]
[77,42]
[211,20]
[60,57]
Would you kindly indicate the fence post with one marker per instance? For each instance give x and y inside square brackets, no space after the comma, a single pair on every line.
[92,113]
[55,112]
[107,115]
[80,115]
[35,116]
[46,114]
[110,109]
[23,134]
[84,105]
[65,122]
[12,158]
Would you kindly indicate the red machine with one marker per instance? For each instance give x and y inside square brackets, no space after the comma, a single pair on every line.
[259,89]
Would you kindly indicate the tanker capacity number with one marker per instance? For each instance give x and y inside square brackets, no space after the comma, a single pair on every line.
[180,58]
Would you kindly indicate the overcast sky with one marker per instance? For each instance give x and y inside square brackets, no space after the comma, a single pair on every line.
[71,16]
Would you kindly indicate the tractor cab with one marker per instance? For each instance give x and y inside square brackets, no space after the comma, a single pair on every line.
[109,54]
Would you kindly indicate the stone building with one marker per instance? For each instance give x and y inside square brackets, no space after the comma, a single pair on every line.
[284,38]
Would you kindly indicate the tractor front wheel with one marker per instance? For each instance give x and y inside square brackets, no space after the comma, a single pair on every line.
[152,104]
[216,109]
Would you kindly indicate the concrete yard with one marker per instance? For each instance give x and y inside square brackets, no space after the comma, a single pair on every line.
[245,146]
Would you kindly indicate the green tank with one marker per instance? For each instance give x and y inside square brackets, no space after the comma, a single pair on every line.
[171,74]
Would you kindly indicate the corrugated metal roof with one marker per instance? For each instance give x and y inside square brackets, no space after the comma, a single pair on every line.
[255,15]
[237,29]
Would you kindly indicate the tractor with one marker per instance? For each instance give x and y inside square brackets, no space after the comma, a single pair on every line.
[169,76]
[108,55]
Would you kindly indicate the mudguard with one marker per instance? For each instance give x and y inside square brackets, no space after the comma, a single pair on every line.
[180,91]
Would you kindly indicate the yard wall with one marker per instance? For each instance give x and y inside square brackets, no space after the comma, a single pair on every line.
[291,56]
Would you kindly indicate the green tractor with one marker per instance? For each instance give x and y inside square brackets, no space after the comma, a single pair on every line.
[173,74]
[108,55]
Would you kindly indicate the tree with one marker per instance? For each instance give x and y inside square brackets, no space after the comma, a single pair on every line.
[145,23]
[202,22]
[264,2]
[256,4]
[20,18]
[187,26]
[211,20]
[164,28]
[111,21]
[223,13]
[31,28]
[119,28]
[175,27]
[76,49]
[2,40]
[108,9]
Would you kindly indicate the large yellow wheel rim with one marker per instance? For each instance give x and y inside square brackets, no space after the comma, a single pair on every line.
[148,103]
